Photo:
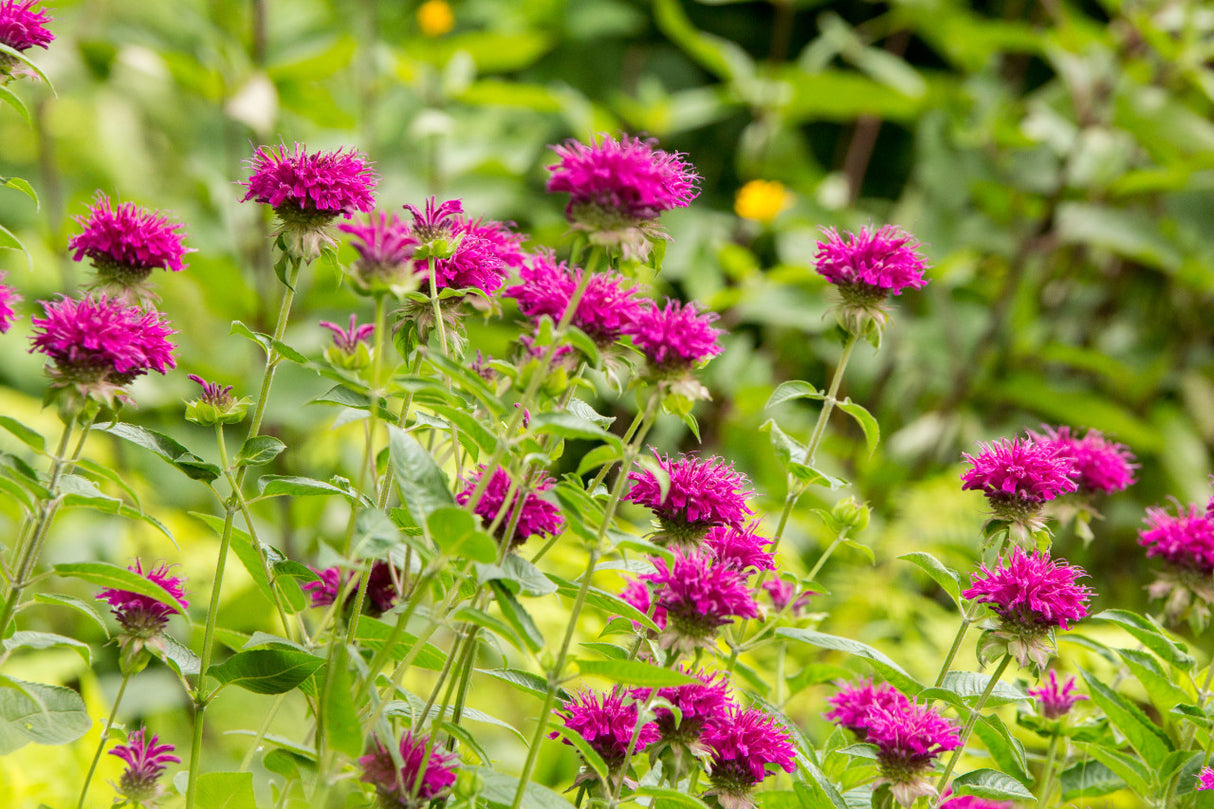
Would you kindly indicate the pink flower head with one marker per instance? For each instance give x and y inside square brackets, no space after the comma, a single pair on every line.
[908,737]
[782,594]
[426,774]
[698,597]
[385,247]
[702,493]
[1031,595]
[1184,540]
[698,704]
[607,721]
[1018,475]
[382,591]
[22,28]
[971,802]
[142,616]
[505,244]
[675,338]
[380,597]
[881,261]
[347,340]
[740,547]
[745,745]
[98,345]
[1100,465]
[125,243]
[606,306]
[435,221]
[537,517]
[1056,702]
[212,392]
[8,299]
[854,703]
[324,590]
[1205,778]
[146,759]
[636,593]
[627,177]
[474,264]
[317,186]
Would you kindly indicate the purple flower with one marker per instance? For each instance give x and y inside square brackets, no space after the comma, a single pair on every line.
[971,802]
[636,593]
[385,247]
[617,188]
[347,340]
[745,745]
[1056,702]
[8,299]
[853,704]
[698,704]
[740,547]
[1205,779]
[212,392]
[1018,475]
[21,28]
[142,616]
[607,721]
[606,306]
[216,405]
[537,517]
[782,594]
[674,339]
[424,776]
[1185,543]
[475,264]
[98,345]
[146,759]
[908,737]
[125,244]
[504,243]
[435,221]
[1100,465]
[380,597]
[881,262]
[1031,595]
[698,597]
[702,494]
[324,590]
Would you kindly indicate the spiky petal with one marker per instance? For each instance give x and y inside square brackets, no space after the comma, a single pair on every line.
[608,722]
[1017,475]
[1056,701]
[537,516]
[698,597]
[744,745]
[674,338]
[141,615]
[426,774]
[607,305]
[146,758]
[702,493]
[1100,465]
[125,243]
[8,300]
[22,27]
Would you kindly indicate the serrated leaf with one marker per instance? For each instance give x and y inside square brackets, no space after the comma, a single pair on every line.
[458,536]
[948,579]
[971,684]
[423,485]
[991,785]
[178,656]
[105,574]
[267,671]
[634,672]
[166,448]
[1088,779]
[258,450]
[80,605]
[46,640]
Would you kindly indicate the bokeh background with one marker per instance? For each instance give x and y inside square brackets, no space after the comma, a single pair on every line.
[1056,159]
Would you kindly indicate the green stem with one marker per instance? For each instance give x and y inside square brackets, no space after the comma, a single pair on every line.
[952,652]
[1047,776]
[438,309]
[817,568]
[828,404]
[105,735]
[975,714]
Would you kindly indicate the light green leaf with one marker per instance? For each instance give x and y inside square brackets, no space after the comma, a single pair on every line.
[38,713]
[1151,635]
[794,389]
[423,485]
[24,187]
[518,617]
[498,789]
[872,430]
[457,535]
[634,672]
[46,640]
[107,575]
[26,435]
[258,450]
[948,579]
[1150,742]
[341,726]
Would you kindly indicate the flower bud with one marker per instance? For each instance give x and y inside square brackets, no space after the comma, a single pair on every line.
[215,405]
[851,513]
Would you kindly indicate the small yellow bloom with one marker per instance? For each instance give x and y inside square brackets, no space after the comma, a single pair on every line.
[761,200]
[435,18]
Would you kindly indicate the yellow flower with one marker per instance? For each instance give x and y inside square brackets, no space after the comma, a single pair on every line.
[761,200]
[434,18]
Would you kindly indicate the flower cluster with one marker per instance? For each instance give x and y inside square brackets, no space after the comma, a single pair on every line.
[536,516]
[702,493]
[1099,465]
[98,345]
[605,309]
[697,704]
[608,723]
[1018,475]
[427,772]
[381,595]
[1056,701]
[125,243]
[745,745]
[853,704]
[146,758]
[618,188]
[740,547]
[866,268]
[1032,595]
[8,299]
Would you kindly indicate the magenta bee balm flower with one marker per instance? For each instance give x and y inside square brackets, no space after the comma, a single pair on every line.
[349,350]
[1032,595]
[146,759]
[1056,702]
[8,300]
[702,493]
[99,345]
[1018,475]
[308,191]
[1100,465]
[867,268]
[424,776]
[385,246]
[746,746]
[216,405]
[125,243]
[971,802]
[22,28]
[698,597]
[1205,779]
[740,547]
[1184,541]
[674,339]
[607,306]
[607,721]
[909,737]
[854,703]
[142,616]
[537,517]
[618,188]
[697,705]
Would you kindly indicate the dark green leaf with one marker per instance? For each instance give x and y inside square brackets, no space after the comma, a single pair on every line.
[947,578]
[373,634]
[1005,749]
[277,486]
[166,448]
[267,671]
[1088,779]
[258,450]
[422,484]
[590,756]
[991,785]
[1157,682]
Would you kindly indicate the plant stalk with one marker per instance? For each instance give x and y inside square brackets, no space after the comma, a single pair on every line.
[975,714]
[105,735]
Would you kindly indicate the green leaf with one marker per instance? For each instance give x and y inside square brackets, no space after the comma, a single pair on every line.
[991,785]
[524,681]
[1150,742]
[499,788]
[1088,779]
[633,672]
[818,793]
[85,608]
[1127,767]
[1151,635]
[872,431]
[971,684]
[104,574]
[518,617]
[80,492]
[341,726]
[948,579]
[38,713]
[267,343]
[891,670]
[267,671]
[565,424]
[1005,749]
[26,435]
[11,242]
[671,796]
[606,602]
[46,640]
[1158,683]
[226,790]
[278,486]
[258,450]
[589,755]
[721,57]
[468,425]
[24,187]
[373,634]
[167,449]
[11,98]
[423,485]
[518,574]
[178,656]
[457,535]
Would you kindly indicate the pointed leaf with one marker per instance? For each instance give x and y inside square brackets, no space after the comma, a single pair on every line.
[634,672]
[119,578]
[948,579]
[258,450]
[991,785]
[166,448]
[267,671]
[872,431]
[423,485]
[1150,742]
